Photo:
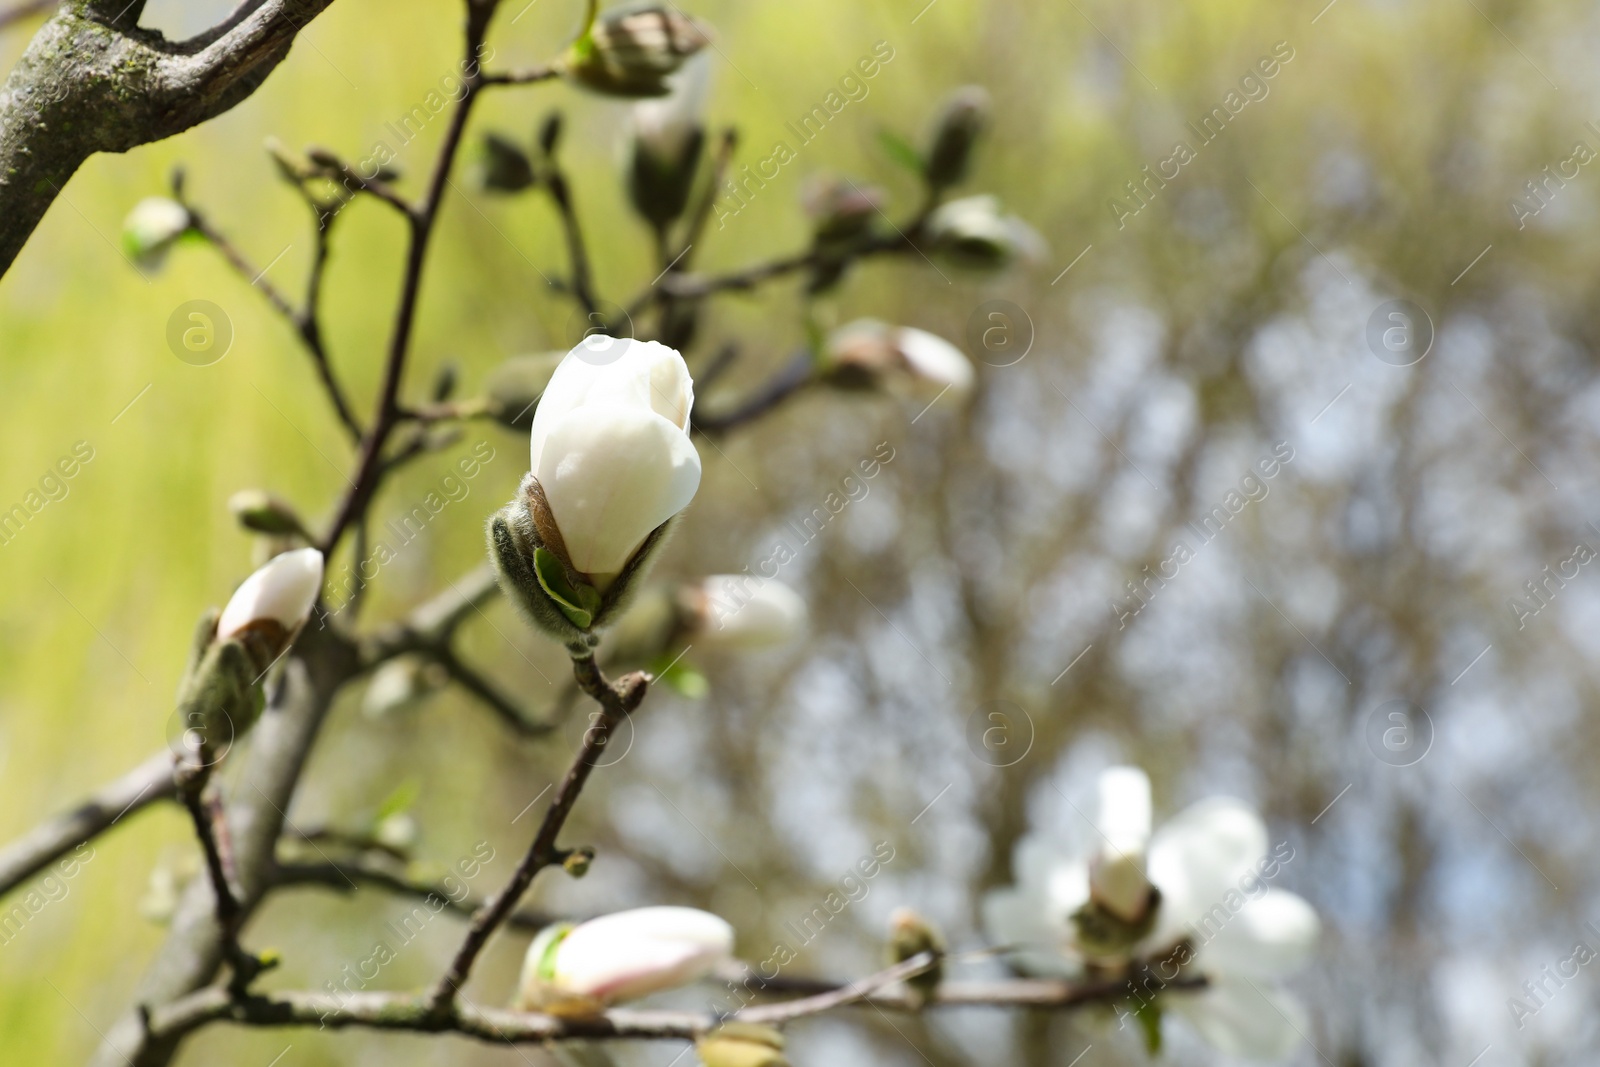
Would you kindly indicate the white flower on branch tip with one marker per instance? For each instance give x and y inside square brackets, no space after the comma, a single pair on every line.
[151,229]
[743,611]
[1192,895]
[583,969]
[611,449]
[281,592]
[898,356]
[973,232]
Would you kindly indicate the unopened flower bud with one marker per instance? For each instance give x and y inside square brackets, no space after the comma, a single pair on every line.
[631,51]
[737,1044]
[869,353]
[271,605]
[741,611]
[506,168]
[401,684]
[513,388]
[840,210]
[578,861]
[152,228]
[581,970]
[665,147]
[973,233]
[911,935]
[396,832]
[965,115]
[263,513]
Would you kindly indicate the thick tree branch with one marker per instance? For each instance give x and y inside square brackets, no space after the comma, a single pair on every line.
[85,85]
[44,844]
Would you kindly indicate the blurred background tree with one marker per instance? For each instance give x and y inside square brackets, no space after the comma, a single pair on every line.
[1180,330]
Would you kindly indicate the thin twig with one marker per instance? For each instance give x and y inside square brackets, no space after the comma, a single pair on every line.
[422,220]
[486,691]
[617,700]
[345,874]
[798,373]
[306,321]
[555,182]
[146,784]
[525,76]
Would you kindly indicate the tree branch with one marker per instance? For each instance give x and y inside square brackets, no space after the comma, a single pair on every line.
[617,700]
[346,874]
[44,844]
[396,1011]
[87,85]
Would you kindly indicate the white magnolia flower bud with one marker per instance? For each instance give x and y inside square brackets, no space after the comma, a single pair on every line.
[610,447]
[899,355]
[280,593]
[631,51]
[151,228]
[664,151]
[743,611]
[1117,878]
[973,232]
[618,957]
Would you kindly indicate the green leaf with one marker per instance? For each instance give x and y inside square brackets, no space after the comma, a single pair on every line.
[580,604]
[1149,1016]
[506,167]
[399,801]
[899,149]
[683,678]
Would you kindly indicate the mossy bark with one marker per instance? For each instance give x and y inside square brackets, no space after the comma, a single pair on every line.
[90,81]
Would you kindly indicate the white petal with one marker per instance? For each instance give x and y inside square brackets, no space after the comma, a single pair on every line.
[1013,916]
[1210,848]
[633,953]
[745,611]
[1271,936]
[1124,816]
[282,590]
[609,372]
[612,474]
[1261,1022]
[934,359]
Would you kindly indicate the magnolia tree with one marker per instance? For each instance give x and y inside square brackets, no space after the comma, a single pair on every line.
[1127,923]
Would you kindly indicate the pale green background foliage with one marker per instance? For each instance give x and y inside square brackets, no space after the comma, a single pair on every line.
[1393,140]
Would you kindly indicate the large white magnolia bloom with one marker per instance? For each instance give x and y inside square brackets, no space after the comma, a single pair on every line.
[619,957]
[1205,874]
[611,448]
[282,591]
